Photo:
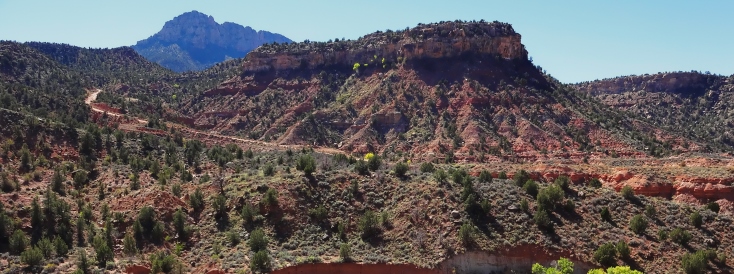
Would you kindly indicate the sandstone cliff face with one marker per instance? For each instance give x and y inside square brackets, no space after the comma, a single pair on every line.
[690,82]
[426,41]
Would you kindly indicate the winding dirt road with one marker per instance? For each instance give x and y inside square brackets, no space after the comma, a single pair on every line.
[196,134]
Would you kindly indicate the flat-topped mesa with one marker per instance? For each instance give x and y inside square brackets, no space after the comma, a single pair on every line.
[673,82]
[438,40]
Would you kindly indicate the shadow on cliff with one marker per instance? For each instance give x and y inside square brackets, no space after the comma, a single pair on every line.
[488,70]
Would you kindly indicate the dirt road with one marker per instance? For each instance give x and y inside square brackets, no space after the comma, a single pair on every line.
[205,135]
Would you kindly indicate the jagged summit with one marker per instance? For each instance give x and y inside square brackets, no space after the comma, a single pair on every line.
[194,41]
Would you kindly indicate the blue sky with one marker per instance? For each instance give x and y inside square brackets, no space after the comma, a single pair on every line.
[573,40]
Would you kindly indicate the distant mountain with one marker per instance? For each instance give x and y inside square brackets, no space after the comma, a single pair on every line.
[194,41]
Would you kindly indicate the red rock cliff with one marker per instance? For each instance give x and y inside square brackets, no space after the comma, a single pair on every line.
[425,41]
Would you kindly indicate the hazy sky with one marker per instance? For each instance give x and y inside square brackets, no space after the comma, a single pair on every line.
[572,40]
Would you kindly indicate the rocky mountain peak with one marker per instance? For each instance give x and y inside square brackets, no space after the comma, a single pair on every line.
[194,41]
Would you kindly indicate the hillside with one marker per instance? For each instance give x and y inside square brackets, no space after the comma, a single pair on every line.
[696,105]
[104,66]
[31,82]
[194,41]
[436,149]
[138,86]
[462,91]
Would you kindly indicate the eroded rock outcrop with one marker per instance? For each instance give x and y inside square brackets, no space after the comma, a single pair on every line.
[378,49]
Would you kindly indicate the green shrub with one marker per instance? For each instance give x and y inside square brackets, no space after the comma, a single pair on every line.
[269,170]
[176,189]
[146,216]
[595,183]
[696,219]
[486,206]
[258,241]
[638,224]
[521,177]
[564,266]
[354,187]
[345,252]
[427,167]
[341,230]
[307,164]
[606,215]
[161,262]
[694,263]
[82,263]
[615,270]
[562,181]
[134,181]
[219,204]
[57,182]
[25,159]
[713,206]
[570,205]
[157,234]
[524,205]
[129,245]
[249,154]
[650,211]
[270,199]
[440,175]
[32,257]
[18,242]
[485,176]
[179,224]
[233,237]
[46,247]
[80,224]
[374,163]
[548,198]
[466,234]
[542,219]
[80,179]
[623,249]
[60,247]
[680,236]
[401,169]
[361,167]
[628,193]
[662,234]
[385,219]
[260,261]
[368,224]
[7,184]
[196,200]
[104,253]
[502,175]
[248,213]
[531,187]
[319,214]
[606,254]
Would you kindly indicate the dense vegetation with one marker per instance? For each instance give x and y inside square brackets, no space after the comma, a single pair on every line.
[33,83]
